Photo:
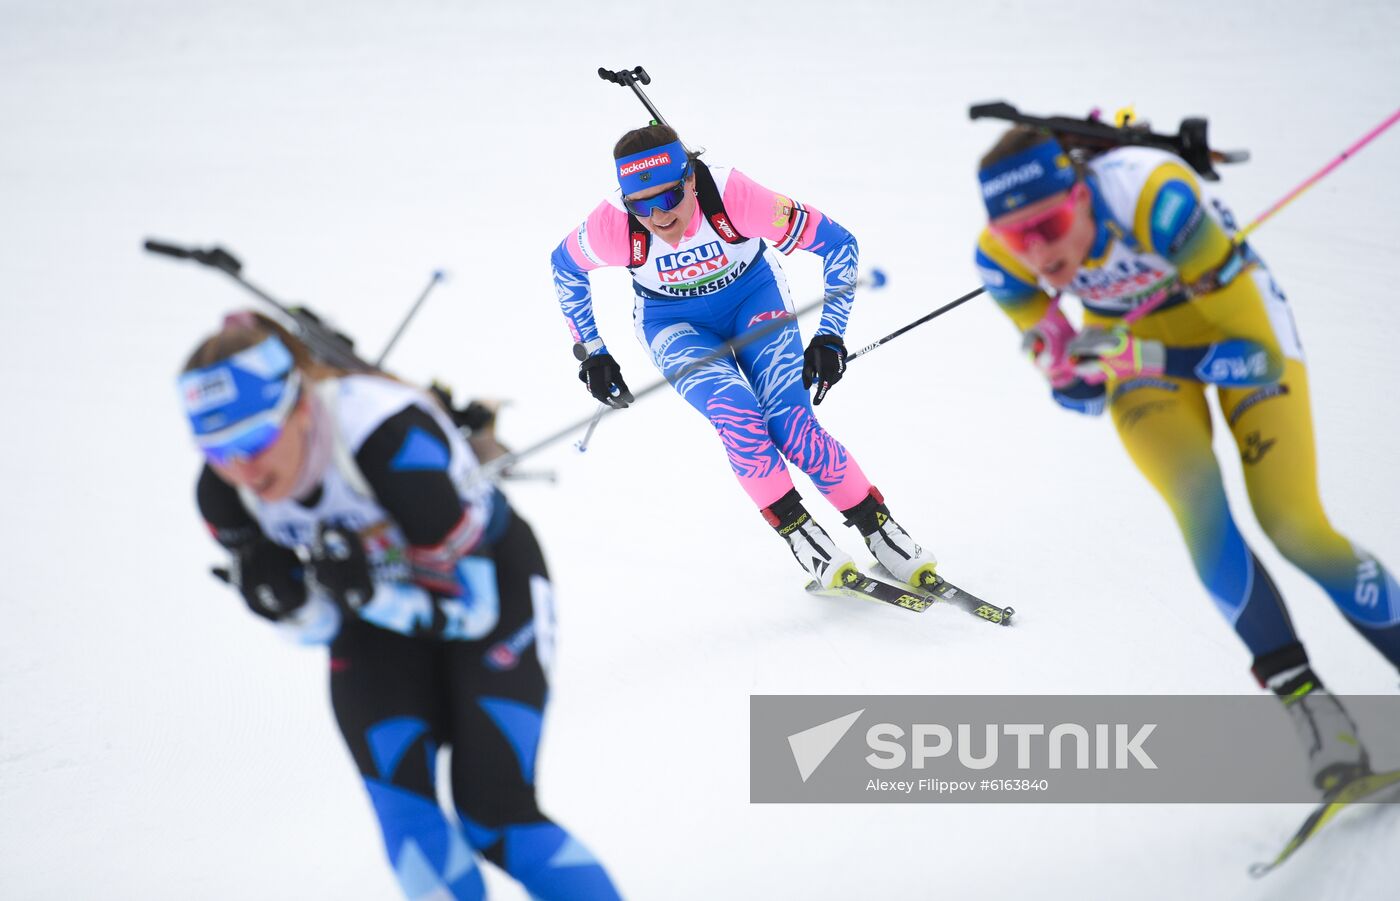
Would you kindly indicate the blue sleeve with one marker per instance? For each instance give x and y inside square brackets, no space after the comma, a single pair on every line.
[840,266]
[1234,363]
[1175,218]
[576,299]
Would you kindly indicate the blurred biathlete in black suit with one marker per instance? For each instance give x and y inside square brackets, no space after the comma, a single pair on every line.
[348,506]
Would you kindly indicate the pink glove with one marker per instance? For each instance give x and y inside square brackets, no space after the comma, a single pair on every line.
[1048,344]
[1097,355]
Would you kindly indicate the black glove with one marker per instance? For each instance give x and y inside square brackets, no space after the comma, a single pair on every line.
[823,364]
[474,417]
[341,568]
[269,577]
[601,374]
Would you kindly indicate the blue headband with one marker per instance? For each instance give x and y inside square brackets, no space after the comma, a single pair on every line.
[656,166]
[1028,176]
[243,401]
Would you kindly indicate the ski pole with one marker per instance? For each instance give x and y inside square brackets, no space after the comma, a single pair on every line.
[493,469]
[438,275]
[916,323]
[1318,176]
[630,78]
[582,444]
[1138,312]
[336,349]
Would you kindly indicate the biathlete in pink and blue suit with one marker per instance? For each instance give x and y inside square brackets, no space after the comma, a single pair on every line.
[693,238]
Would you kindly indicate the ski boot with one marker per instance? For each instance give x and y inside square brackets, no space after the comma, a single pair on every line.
[810,544]
[1329,736]
[891,545]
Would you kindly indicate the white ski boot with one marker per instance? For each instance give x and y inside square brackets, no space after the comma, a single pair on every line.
[1329,736]
[823,560]
[893,547]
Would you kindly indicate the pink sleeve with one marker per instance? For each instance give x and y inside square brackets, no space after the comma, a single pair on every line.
[760,213]
[601,240]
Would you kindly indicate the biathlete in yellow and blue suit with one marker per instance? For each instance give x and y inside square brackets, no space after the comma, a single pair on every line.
[1132,227]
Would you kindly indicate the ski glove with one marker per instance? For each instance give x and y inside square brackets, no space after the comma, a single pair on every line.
[1098,355]
[270,578]
[474,417]
[1081,397]
[823,364]
[603,377]
[1047,342]
[340,567]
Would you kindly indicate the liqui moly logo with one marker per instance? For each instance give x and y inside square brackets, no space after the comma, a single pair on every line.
[689,265]
[650,162]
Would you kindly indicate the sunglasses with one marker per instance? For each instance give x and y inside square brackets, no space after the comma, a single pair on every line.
[1046,226]
[664,202]
[252,437]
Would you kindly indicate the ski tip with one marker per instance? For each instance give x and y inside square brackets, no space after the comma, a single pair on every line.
[439,275]
[878,278]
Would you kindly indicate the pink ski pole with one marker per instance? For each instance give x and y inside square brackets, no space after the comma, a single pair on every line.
[1141,311]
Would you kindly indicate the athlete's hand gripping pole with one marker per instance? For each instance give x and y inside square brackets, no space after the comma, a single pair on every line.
[634,78]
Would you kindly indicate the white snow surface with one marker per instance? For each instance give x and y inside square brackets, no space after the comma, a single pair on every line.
[157,741]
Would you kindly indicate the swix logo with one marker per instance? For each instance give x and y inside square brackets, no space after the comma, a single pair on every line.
[639,249]
[688,265]
[1368,583]
[721,224]
[768,315]
[651,162]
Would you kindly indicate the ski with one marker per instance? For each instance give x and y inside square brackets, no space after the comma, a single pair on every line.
[946,592]
[880,585]
[1359,790]
[870,588]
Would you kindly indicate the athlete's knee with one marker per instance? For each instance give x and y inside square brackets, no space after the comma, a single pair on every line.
[487,810]
[550,863]
[1304,540]
[419,841]
[1198,503]
[740,426]
[800,437]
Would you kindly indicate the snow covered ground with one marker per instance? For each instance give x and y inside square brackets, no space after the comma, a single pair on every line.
[158,742]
